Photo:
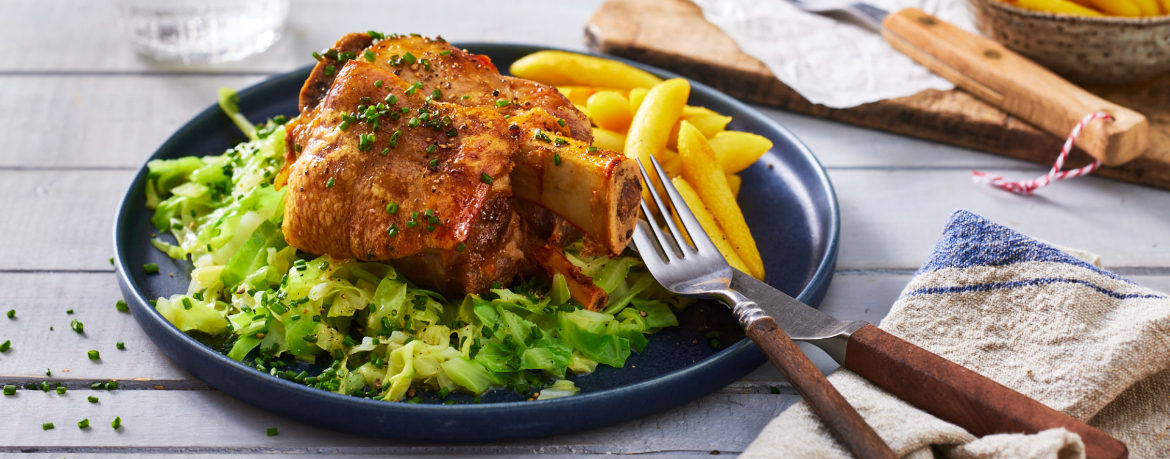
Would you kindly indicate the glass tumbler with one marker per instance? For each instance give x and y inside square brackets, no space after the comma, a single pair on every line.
[201,31]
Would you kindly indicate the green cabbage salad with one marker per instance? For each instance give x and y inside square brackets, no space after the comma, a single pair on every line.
[379,334]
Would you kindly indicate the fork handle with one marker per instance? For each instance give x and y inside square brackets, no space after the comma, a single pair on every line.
[837,414]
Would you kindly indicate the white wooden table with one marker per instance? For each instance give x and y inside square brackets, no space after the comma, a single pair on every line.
[79,112]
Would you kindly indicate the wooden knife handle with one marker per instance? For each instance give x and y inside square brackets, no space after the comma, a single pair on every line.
[961,396]
[1017,85]
[832,408]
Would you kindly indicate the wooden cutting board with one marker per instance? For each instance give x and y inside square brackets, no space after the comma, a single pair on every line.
[672,34]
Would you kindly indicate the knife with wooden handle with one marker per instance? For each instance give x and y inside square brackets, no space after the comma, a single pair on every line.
[936,385]
[1005,79]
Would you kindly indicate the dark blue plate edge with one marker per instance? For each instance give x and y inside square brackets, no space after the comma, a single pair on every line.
[735,361]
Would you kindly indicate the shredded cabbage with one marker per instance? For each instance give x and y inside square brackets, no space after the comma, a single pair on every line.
[381,335]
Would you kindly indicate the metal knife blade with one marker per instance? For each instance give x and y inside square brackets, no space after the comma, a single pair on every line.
[800,321]
[865,13]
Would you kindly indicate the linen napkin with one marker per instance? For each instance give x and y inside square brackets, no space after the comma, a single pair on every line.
[1030,316]
[831,62]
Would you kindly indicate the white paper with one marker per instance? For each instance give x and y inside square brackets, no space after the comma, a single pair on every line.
[828,61]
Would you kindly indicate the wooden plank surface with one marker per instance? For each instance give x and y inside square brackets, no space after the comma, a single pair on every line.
[672,34]
[45,28]
[190,424]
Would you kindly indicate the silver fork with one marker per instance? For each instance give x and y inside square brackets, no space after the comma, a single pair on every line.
[700,271]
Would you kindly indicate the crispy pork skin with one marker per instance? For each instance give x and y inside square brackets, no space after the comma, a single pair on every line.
[437,194]
[410,150]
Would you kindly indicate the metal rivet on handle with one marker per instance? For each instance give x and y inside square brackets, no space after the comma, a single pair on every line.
[992,54]
[927,20]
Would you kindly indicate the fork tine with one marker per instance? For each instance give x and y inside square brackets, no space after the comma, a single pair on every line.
[667,249]
[679,241]
[644,244]
[690,223]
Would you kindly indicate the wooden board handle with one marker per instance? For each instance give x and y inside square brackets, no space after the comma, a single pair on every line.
[1017,85]
[961,396]
[837,414]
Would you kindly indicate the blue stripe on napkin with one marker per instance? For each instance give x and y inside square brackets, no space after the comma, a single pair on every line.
[970,240]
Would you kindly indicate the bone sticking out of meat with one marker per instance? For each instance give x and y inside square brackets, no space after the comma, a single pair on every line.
[598,191]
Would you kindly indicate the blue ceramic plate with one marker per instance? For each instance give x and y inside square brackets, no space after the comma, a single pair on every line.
[786,198]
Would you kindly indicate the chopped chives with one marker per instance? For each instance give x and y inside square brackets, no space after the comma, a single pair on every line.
[330,183]
[47,426]
[502,103]
[409,58]
[97,386]
[369,55]
[9,389]
[317,56]
[45,386]
[378,84]
[434,163]
[122,306]
[385,151]
[392,230]
[445,53]
[94,355]
[6,345]
[436,94]
[69,311]
[272,432]
[461,247]
[77,326]
[60,390]
[465,97]
[392,208]
[92,399]
[11,313]
[557,159]
[150,268]
[83,423]
[486,178]
[560,142]
[112,385]
[561,122]
[592,149]
[120,345]
[117,422]
[48,372]
[329,70]
[111,260]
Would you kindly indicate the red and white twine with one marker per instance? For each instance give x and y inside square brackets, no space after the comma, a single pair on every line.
[1026,187]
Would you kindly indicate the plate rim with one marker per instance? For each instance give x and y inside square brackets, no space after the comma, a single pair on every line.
[142,312]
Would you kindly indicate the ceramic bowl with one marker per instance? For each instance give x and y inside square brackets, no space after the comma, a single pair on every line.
[1099,50]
